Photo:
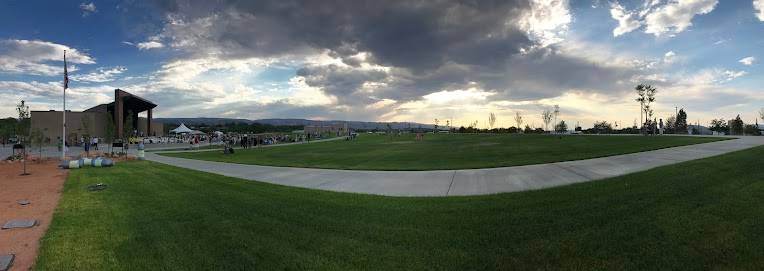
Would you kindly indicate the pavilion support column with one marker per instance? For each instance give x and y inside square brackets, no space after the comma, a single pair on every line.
[148,123]
[119,114]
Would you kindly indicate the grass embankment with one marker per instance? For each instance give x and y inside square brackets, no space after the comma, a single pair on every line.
[703,214]
[445,151]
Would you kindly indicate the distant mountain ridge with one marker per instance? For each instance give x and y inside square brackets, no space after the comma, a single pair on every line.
[366,125]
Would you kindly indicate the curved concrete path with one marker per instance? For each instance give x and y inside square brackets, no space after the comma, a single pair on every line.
[466,181]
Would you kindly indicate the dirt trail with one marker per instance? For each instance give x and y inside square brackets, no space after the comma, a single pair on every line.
[43,189]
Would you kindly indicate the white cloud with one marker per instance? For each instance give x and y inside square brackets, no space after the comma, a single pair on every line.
[758,6]
[305,95]
[748,61]
[87,9]
[714,76]
[627,21]
[149,45]
[153,42]
[33,57]
[659,19]
[100,75]
[669,57]
[547,22]
[732,75]
[47,95]
[676,16]
[456,97]
[461,106]
[14,91]
[33,88]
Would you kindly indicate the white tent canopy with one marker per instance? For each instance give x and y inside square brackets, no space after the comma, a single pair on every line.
[182,129]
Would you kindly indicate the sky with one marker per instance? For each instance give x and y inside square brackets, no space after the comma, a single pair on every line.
[372,60]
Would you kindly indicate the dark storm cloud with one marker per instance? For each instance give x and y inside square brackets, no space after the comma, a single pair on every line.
[282,108]
[342,83]
[426,46]
[539,74]
[418,35]
[544,73]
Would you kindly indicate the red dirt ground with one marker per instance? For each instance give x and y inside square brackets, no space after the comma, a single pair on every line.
[43,189]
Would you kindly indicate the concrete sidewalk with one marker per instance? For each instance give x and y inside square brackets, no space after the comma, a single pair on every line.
[467,181]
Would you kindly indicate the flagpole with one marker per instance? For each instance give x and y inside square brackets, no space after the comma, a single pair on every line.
[63,134]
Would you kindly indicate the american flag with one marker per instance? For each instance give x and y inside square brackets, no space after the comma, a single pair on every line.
[66,74]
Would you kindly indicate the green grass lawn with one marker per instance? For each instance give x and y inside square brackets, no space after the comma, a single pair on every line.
[698,215]
[449,151]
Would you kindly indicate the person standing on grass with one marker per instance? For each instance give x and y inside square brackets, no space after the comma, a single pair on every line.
[661,126]
[86,146]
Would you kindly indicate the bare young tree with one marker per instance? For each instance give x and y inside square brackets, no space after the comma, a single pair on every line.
[645,96]
[519,121]
[547,116]
[491,120]
[761,114]
[24,123]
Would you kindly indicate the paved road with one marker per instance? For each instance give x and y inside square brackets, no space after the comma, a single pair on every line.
[53,152]
[468,181]
[186,149]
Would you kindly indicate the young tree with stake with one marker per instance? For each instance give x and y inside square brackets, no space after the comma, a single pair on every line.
[556,113]
[491,120]
[547,116]
[519,121]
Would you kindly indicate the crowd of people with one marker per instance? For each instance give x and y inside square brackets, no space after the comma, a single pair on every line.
[246,141]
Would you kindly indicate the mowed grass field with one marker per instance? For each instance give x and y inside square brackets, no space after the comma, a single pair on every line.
[698,215]
[444,151]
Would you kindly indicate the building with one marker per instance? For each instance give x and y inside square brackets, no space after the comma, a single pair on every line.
[94,121]
[334,128]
